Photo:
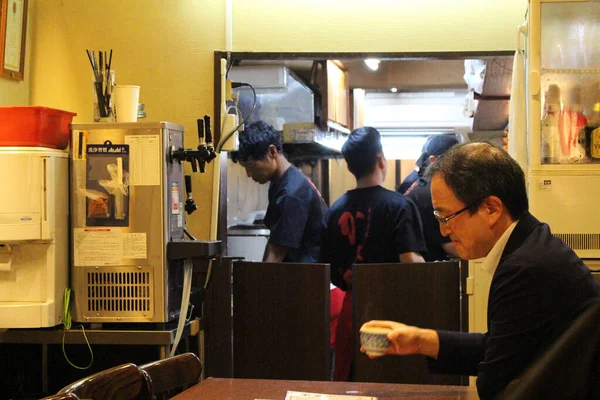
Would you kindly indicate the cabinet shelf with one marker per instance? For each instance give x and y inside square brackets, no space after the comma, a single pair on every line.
[567,169]
[579,71]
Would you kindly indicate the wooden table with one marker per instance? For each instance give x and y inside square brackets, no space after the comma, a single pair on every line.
[251,389]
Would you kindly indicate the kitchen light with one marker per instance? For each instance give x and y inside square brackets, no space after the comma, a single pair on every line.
[393,90]
[372,63]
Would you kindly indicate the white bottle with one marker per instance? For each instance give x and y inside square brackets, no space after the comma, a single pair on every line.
[550,132]
[578,121]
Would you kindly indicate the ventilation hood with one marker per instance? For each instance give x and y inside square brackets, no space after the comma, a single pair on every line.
[285,102]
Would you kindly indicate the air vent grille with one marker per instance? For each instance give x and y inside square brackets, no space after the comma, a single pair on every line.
[581,241]
[119,292]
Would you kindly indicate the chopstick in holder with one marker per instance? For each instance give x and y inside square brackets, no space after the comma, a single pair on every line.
[102,79]
[109,60]
[109,78]
[101,102]
[90,58]
[101,67]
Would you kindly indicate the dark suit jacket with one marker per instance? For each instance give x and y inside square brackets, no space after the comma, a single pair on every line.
[538,290]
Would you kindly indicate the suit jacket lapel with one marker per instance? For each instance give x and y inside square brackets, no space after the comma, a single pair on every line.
[524,227]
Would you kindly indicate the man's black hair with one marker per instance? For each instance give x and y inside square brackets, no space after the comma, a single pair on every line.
[475,171]
[255,141]
[361,150]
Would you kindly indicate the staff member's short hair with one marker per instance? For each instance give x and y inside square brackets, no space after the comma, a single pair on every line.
[254,141]
[361,150]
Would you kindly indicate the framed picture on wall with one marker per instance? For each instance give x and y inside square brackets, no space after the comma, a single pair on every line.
[13,34]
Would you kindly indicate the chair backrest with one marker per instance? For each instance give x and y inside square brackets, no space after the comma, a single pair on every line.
[569,369]
[174,374]
[62,396]
[123,382]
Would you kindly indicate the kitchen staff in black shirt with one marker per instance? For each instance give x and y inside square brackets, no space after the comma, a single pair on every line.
[438,246]
[296,209]
[414,175]
[369,224]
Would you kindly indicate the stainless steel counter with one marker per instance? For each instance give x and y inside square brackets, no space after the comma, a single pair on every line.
[247,241]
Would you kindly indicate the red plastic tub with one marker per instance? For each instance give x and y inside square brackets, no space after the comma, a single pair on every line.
[35,126]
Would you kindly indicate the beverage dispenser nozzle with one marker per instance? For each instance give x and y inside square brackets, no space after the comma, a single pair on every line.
[204,153]
[211,150]
[190,204]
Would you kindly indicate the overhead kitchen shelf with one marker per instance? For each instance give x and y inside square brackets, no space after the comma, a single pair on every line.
[494,101]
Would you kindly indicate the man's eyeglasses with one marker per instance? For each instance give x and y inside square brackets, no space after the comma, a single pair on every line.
[444,220]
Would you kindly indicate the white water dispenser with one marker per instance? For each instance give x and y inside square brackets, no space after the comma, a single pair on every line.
[33,236]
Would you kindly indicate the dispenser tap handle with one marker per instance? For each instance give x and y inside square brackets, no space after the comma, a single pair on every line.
[192,161]
[188,185]
[190,204]
[201,130]
[207,127]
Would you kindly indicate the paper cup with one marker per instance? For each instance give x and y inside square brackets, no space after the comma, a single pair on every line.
[126,102]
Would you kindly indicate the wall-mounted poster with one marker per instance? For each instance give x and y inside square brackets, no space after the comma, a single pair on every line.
[13,33]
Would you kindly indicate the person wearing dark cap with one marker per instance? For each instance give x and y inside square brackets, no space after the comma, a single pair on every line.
[438,246]
[414,175]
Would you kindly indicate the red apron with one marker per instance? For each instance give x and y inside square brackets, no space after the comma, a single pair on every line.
[344,342]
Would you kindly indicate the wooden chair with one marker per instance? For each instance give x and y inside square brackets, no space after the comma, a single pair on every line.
[123,382]
[62,396]
[173,375]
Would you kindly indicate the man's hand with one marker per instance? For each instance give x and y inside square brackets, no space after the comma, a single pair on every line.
[407,340]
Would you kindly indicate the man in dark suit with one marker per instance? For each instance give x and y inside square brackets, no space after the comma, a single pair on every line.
[539,285]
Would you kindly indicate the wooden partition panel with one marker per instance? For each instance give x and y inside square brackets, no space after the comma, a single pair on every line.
[281,321]
[427,295]
[218,359]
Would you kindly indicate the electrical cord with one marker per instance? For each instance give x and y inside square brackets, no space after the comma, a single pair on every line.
[188,234]
[228,135]
[67,321]
[208,272]
[229,64]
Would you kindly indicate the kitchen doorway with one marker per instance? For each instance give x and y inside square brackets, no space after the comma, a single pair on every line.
[407,97]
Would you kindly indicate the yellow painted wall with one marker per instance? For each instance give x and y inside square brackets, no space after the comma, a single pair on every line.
[340,179]
[166,47]
[376,25]
[16,93]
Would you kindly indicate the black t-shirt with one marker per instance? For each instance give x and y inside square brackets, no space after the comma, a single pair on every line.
[421,195]
[408,181]
[369,225]
[295,216]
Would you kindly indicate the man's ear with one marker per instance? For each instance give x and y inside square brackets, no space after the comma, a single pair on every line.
[381,161]
[272,151]
[493,207]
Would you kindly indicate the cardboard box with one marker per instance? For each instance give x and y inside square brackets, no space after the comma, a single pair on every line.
[300,132]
